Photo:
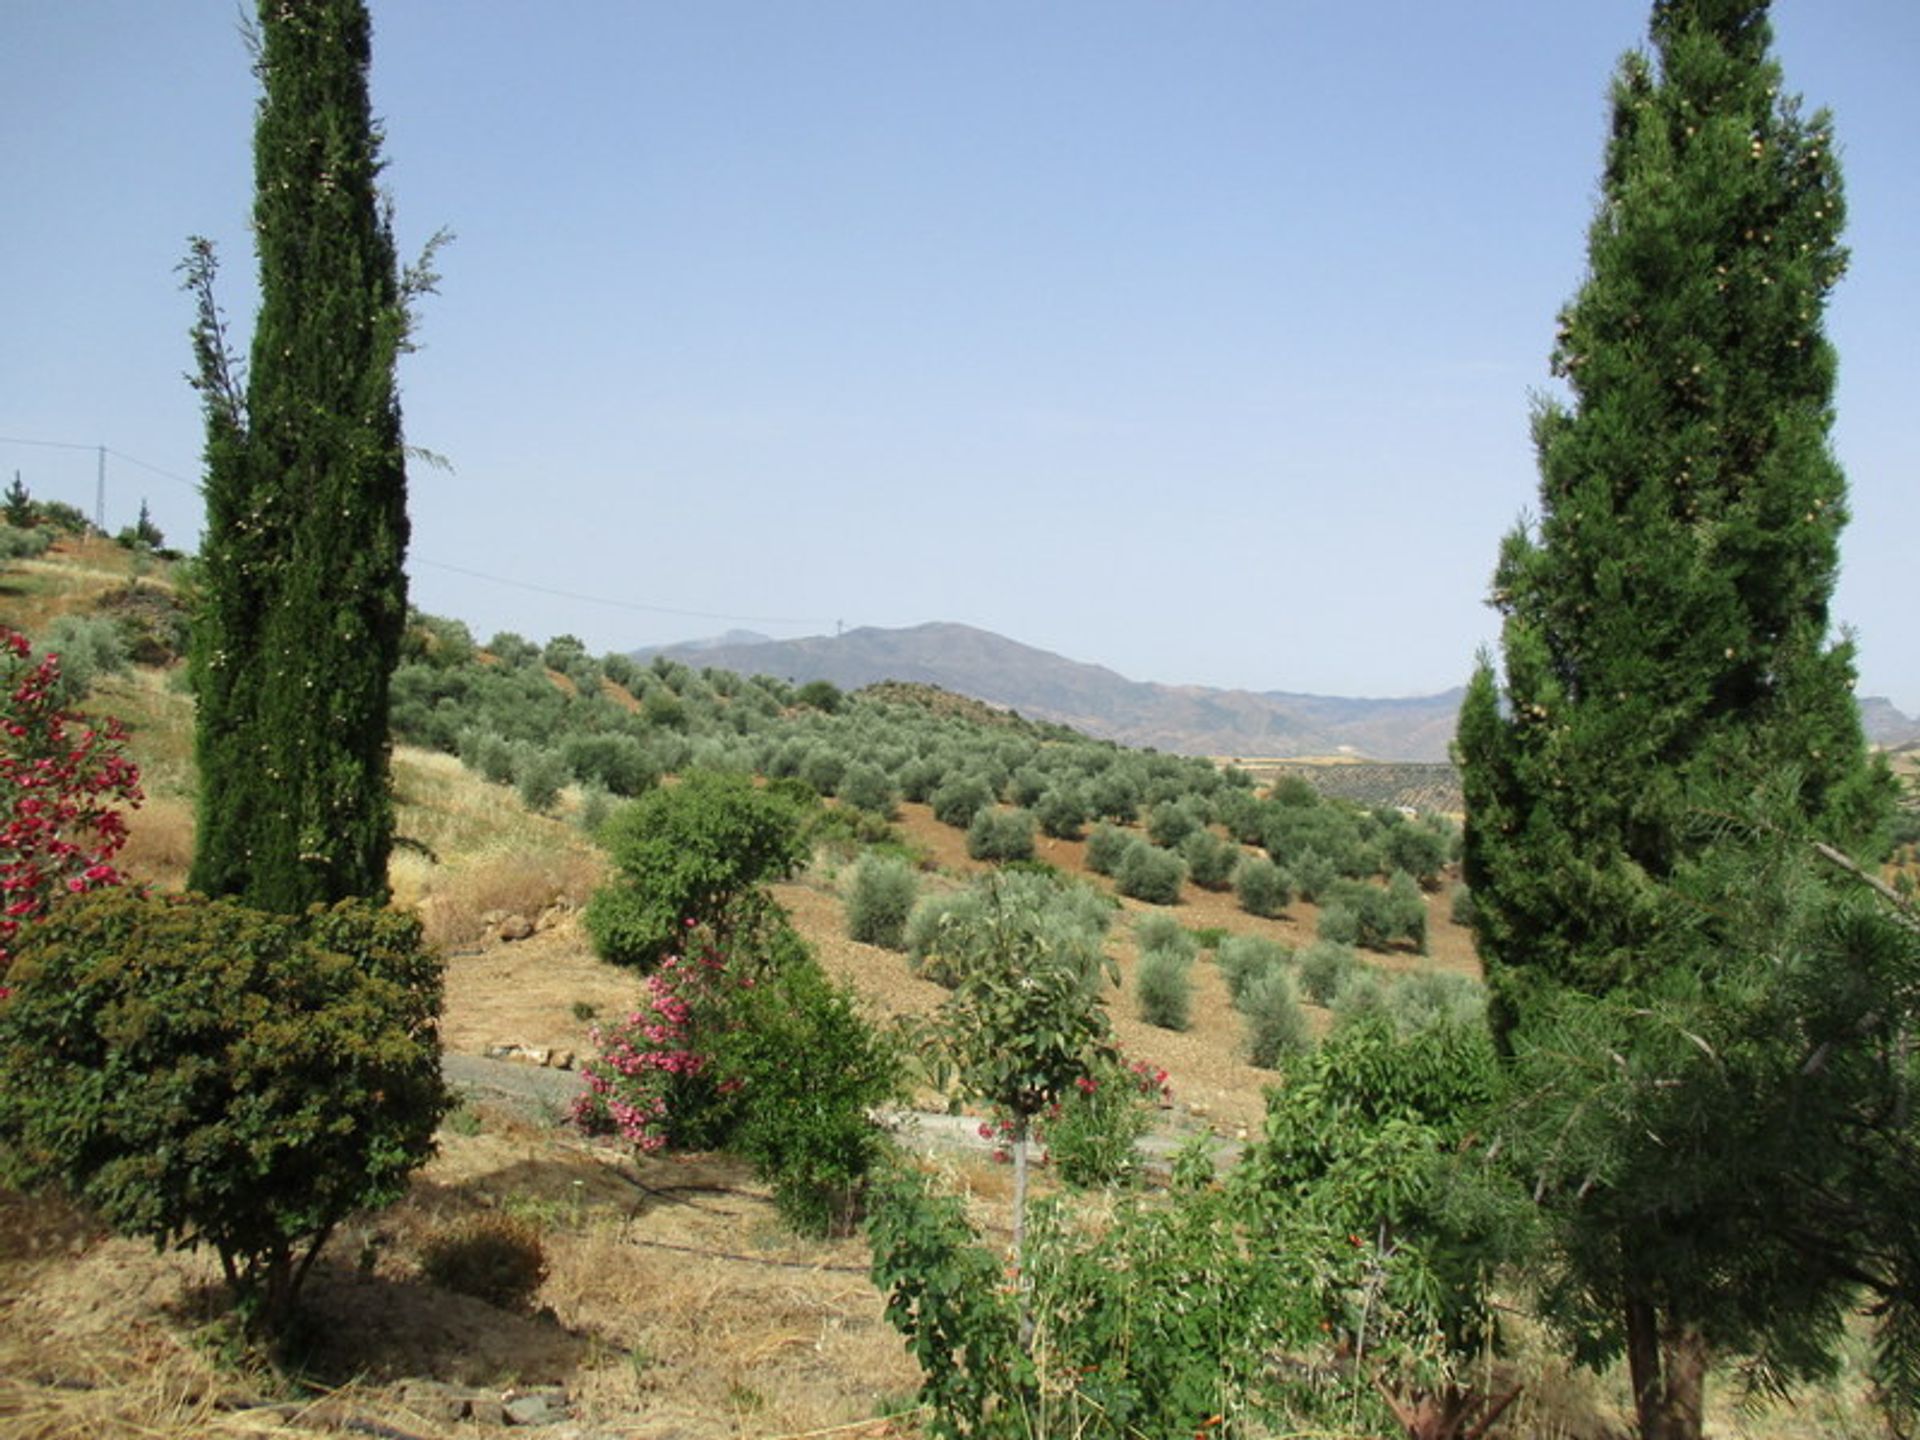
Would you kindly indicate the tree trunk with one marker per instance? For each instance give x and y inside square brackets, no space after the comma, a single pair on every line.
[1668,1367]
[1020,1230]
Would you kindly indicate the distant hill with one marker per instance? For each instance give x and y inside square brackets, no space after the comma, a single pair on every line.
[1885,725]
[1187,719]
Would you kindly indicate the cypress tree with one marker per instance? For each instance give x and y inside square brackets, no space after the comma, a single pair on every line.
[1666,657]
[304,592]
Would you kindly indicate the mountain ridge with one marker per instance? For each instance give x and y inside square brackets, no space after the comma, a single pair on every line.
[1099,701]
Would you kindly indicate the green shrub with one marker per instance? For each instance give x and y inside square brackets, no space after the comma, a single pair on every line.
[948,933]
[1435,997]
[1000,835]
[823,769]
[1163,932]
[1262,887]
[1169,823]
[1363,994]
[1406,911]
[200,1073]
[1276,1025]
[880,900]
[1163,986]
[23,544]
[1243,959]
[865,787]
[1324,967]
[618,763]
[90,648]
[1339,923]
[1062,812]
[1093,1135]
[1116,796]
[821,695]
[807,1071]
[688,854]
[959,799]
[1312,874]
[1460,906]
[1210,859]
[539,777]
[919,778]
[1107,847]
[494,1257]
[1151,874]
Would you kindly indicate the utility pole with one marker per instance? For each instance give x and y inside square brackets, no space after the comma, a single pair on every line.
[100,493]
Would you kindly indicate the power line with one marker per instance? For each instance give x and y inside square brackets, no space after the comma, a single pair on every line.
[635,605]
[133,460]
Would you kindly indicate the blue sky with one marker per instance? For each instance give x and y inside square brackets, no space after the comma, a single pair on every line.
[1195,339]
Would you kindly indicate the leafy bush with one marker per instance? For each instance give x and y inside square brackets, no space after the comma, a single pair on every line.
[1116,796]
[949,933]
[959,799]
[1210,858]
[1163,985]
[1339,923]
[617,763]
[1000,835]
[821,695]
[688,855]
[493,1257]
[823,769]
[1324,967]
[1312,874]
[865,787]
[1460,906]
[539,777]
[1262,887]
[1107,847]
[1245,958]
[1435,997]
[1364,993]
[1169,823]
[1163,932]
[90,648]
[23,544]
[1093,1135]
[1062,812]
[1276,1025]
[1151,874]
[200,1073]
[880,900]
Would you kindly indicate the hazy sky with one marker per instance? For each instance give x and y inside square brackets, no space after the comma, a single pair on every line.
[1193,339]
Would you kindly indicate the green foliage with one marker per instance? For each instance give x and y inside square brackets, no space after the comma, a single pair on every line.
[1163,986]
[1093,1134]
[539,776]
[688,854]
[880,900]
[1667,657]
[19,505]
[491,1256]
[997,834]
[1149,873]
[1357,913]
[959,799]
[1163,932]
[1263,888]
[1107,847]
[1245,958]
[1276,1025]
[1324,968]
[821,695]
[19,542]
[1169,823]
[1312,874]
[949,934]
[303,579]
[90,648]
[1211,859]
[809,1070]
[865,786]
[1062,812]
[199,1073]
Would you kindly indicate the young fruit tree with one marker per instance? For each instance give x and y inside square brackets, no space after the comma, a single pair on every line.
[304,594]
[1667,661]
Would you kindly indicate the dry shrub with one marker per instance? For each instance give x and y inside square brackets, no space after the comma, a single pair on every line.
[491,1256]
[159,847]
[454,900]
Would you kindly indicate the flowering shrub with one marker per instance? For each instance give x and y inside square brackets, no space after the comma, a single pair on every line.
[60,788]
[1093,1131]
[653,1084]
[751,1049]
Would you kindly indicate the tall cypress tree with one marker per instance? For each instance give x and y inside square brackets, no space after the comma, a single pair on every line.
[1667,658]
[304,591]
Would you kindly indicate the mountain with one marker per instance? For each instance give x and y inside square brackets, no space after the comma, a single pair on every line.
[1885,725]
[1189,719]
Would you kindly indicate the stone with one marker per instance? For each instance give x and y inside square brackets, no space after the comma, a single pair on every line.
[514,927]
